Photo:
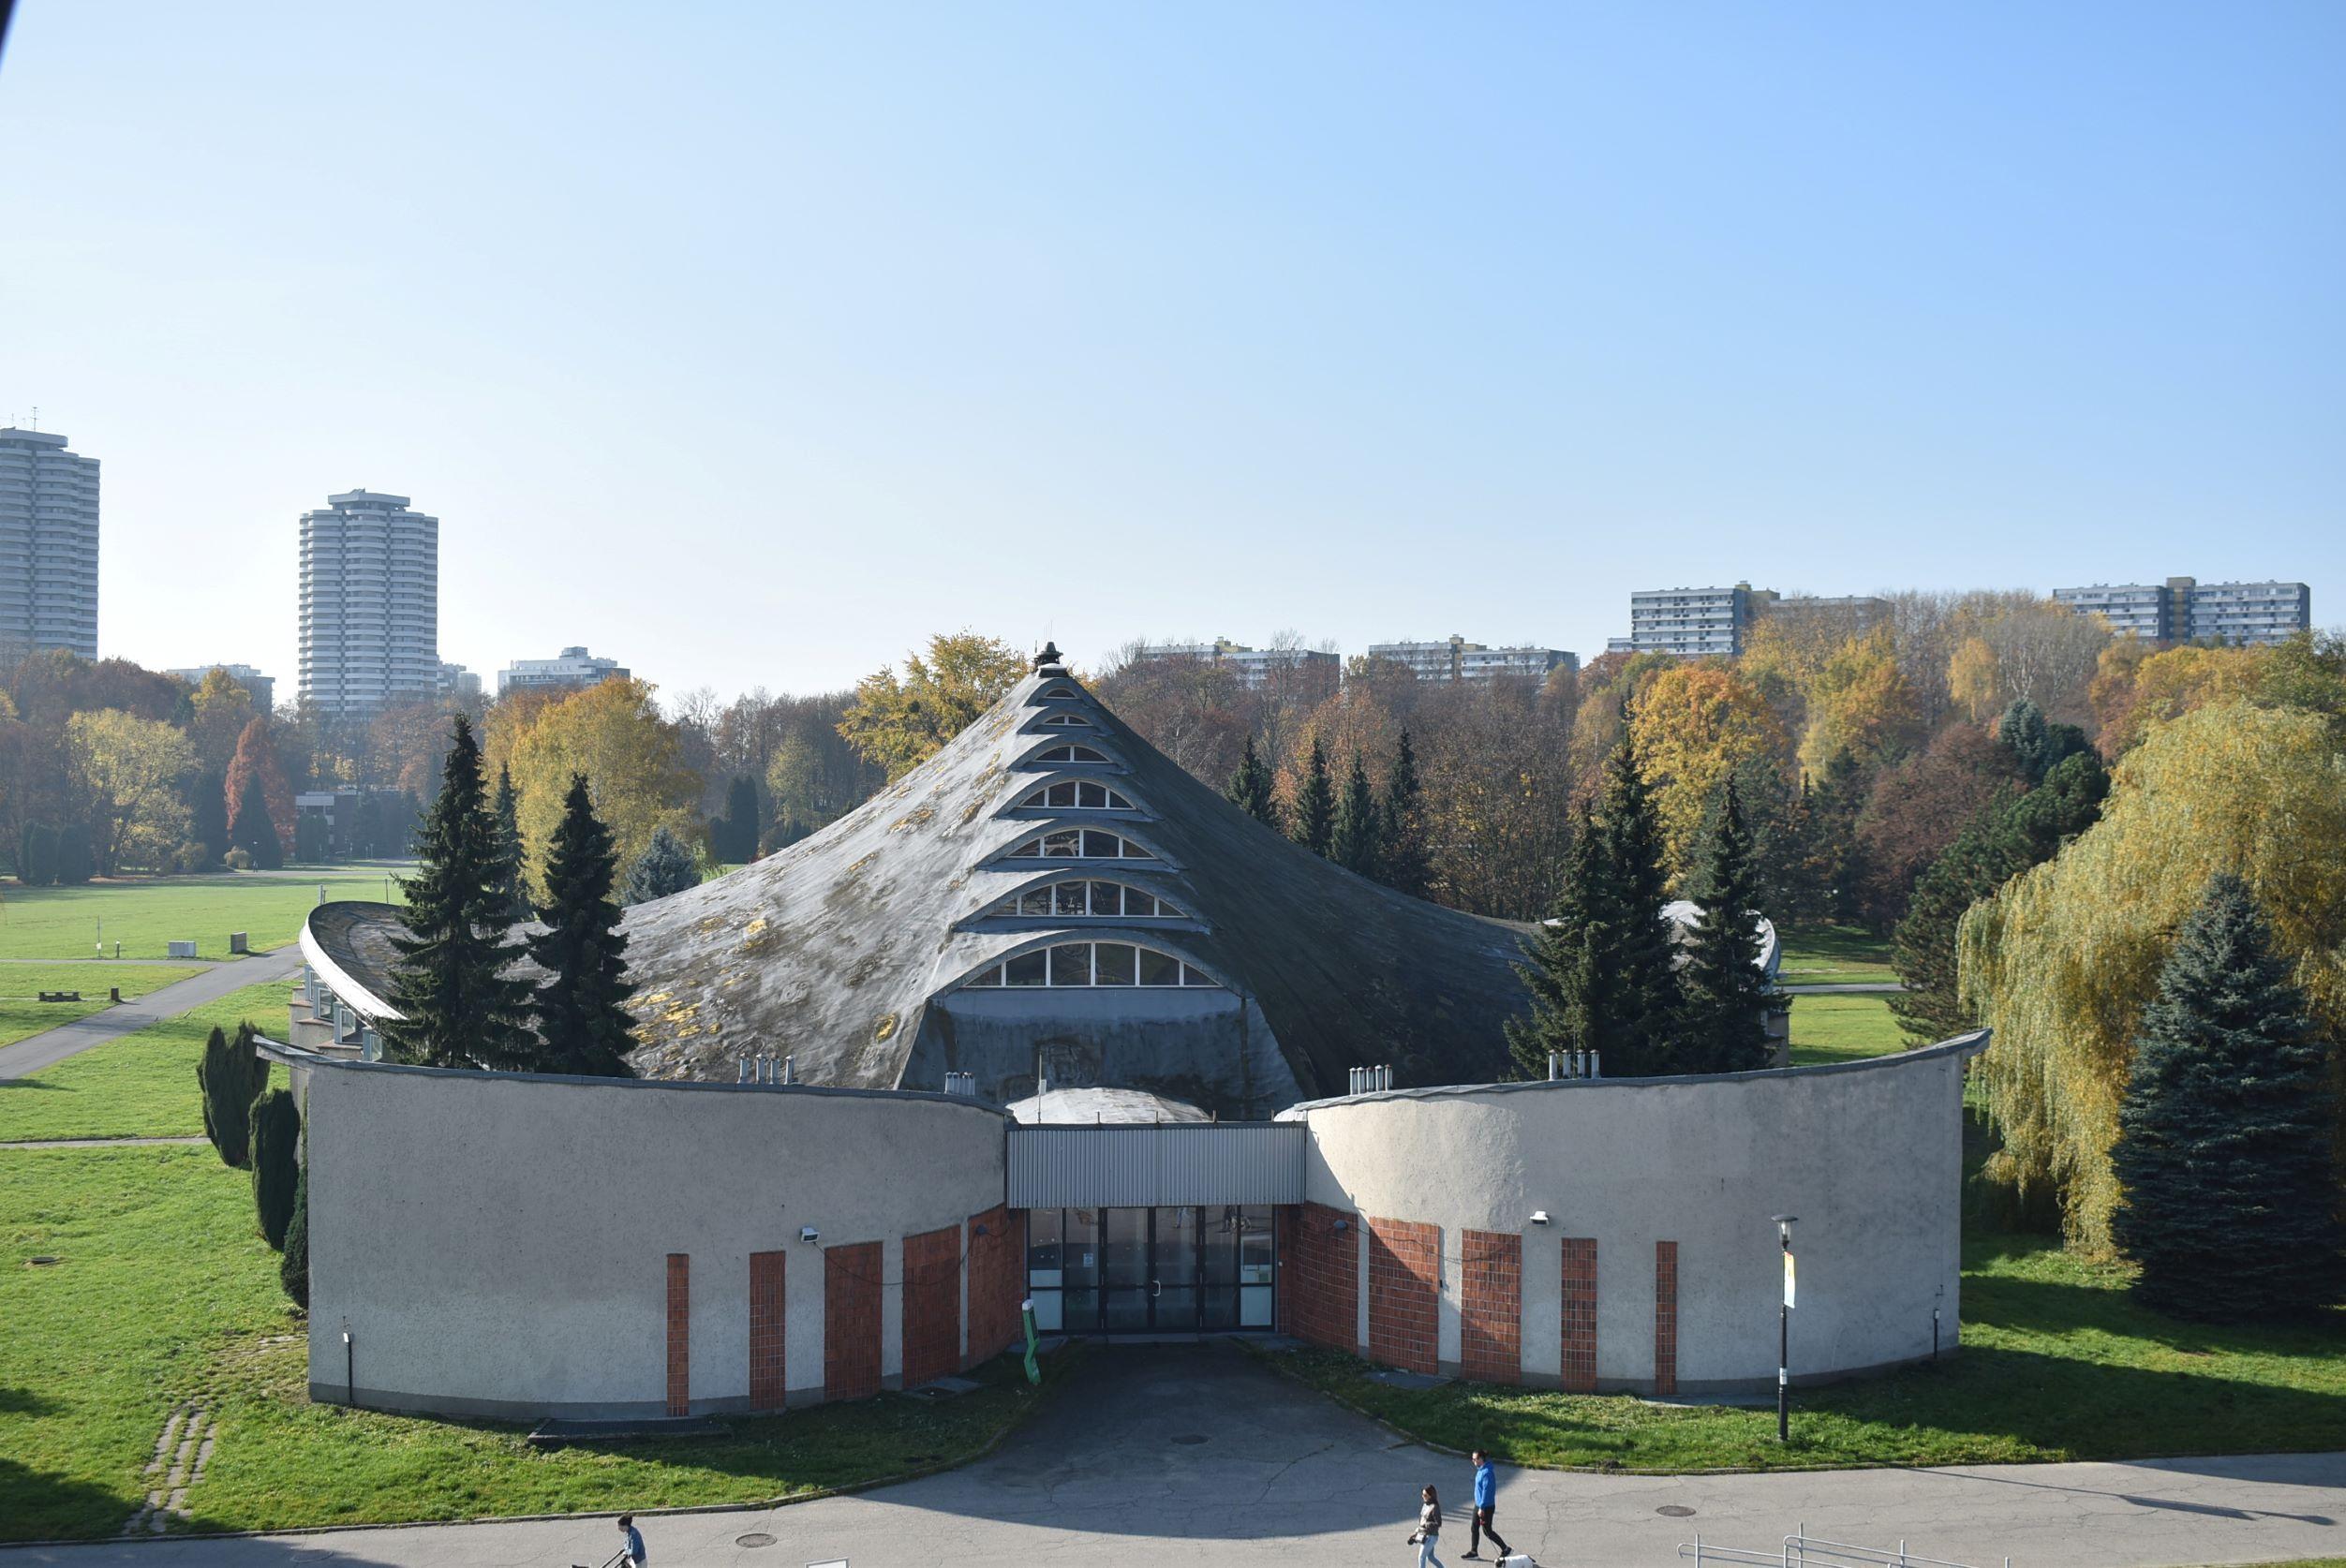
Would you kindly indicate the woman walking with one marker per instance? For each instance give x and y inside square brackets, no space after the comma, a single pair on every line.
[1429,1527]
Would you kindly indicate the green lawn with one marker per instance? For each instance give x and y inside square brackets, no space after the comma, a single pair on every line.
[1843,1028]
[164,1293]
[144,915]
[1836,955]
[140,1086]
[91,977]
[2057,1363]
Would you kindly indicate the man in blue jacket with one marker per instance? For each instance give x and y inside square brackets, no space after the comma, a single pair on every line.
[1486,1499]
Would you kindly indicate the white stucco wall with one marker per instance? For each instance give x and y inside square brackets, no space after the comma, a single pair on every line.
[497,1243]
[1868,1154]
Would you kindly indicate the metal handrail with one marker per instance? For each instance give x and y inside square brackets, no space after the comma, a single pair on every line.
[1802,1550]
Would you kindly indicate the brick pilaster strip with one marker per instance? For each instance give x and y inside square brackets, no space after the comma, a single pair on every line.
[768,1368]
[679,1334]
[1666,1317]
[1579,1362]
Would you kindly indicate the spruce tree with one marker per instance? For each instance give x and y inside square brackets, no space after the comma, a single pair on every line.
[1249,790]
[1352,841]
[2228,1181]
[1403,859]
[457,1006]
[228,1077]
[1571,995]
[1314,822]
[508,853]
[733,837]
[1639,956]
[254,833]
[293,1268]
[582,1018]
[276,1152]
[1725,995]
[665,868]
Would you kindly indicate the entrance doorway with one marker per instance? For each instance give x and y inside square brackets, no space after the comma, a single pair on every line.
[1183,1269]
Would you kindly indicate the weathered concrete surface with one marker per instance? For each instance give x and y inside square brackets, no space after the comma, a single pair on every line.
[1287,1480]
[30,1055]
[496,1243]
[1867,1154]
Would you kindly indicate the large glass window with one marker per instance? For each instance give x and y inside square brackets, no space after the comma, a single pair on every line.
[1088,900]
[1070,754]
[1152,1270]
[1070,966]
[1077,795]
[1079,844]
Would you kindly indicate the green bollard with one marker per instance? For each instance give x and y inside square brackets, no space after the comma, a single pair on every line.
[1033,1367]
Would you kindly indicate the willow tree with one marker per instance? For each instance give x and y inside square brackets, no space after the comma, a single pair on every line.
[2063,961]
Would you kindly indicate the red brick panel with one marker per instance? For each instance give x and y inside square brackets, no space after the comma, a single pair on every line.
[769,1375]
[997,1280]
[1404,1280]
[679,1334]
[1666,1317]
[850,1320]
[1490,1306]
[932,1305]
[1580,1314]
[1319,1278]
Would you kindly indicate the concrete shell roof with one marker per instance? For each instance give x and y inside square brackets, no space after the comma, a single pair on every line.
[831,950]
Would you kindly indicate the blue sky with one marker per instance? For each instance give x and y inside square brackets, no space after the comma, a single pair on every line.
[752,344]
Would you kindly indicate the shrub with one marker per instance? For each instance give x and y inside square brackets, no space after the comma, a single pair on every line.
[294,1273]
[276,1166]
[228,1077]
[239,860]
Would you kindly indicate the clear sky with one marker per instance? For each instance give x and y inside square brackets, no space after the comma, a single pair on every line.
[750,344]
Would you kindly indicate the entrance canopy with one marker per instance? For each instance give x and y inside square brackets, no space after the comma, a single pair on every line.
[1175,1165]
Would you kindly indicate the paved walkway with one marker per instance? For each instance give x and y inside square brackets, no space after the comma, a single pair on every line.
[1171,1456]
[45,1049]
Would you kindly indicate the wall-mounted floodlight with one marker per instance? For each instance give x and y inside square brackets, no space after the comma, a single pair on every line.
[809,1235]
[1539,1217]
[1341,1226]
[976,1230]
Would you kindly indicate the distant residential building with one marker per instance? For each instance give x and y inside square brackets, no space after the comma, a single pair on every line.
[1621,644]
[1454,659]
[1857,612]
[1256,668]
[2185,610]
[47,545]
[573,669]
[1695,623]
[262,689]
[459,683]
[370,602]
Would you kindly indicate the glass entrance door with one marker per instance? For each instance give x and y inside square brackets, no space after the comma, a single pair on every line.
[1174,1258]
[1174,1270]
[1126,1281]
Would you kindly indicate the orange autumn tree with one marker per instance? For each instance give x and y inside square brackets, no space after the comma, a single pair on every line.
[1694,724]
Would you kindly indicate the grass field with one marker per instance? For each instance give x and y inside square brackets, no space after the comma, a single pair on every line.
[144,915]
[21,985]
[2057,1363]
[140,1086]
[1836,955]
[1843,1028]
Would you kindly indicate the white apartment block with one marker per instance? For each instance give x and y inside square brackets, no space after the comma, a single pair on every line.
[573,667]
[1694,623]
[370,602]
[47,545]
[1256,668]
[1454,659]
[261,689]
[2185,610]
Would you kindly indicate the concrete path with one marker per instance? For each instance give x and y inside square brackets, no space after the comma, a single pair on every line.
[1197,1456]
[45,1049]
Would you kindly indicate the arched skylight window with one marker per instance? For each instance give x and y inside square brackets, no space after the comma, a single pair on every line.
[1072,965]
[1068,721]
[1088,900]
[1079,844]
[1050,692]
[1069,794]
[1070,754]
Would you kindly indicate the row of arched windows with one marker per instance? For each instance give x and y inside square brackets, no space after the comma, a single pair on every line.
[1079,844]
[1091,900]
[1081,795]
[1071,965]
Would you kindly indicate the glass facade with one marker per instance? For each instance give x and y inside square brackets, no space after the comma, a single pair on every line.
[1179,1270]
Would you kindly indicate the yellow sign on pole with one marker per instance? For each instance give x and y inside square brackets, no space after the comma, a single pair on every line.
[1788,1278]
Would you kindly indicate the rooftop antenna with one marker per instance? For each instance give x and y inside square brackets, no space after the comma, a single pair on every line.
[36,416]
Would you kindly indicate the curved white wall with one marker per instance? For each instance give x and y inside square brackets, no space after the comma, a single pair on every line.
[497,1243]
[1867,1154]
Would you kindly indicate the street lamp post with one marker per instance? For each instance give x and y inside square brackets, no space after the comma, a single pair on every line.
[1784,1223]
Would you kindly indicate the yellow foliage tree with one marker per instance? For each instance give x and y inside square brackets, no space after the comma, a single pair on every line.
[2060,963]
[901,724]
[1974,682]
[131,768]
[631,756]
[1694,725]
[1859,701]
[2175,680]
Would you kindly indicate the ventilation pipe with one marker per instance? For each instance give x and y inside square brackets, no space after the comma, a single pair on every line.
[790,1069]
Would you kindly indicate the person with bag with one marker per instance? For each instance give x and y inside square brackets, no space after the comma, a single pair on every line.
[1429,1527]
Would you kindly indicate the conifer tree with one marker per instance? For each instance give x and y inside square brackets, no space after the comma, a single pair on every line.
[293,1268]
[509,855]
[733,837]
[582,1018]
[1726,996]
[1314,822]
[458,1006]
[254,833]
[2227,1179]
[228,1077]
[1638,956]
[1249,790]
[665,867]
[276,1150]
[1571,995]
[1403,865]
[1353,840]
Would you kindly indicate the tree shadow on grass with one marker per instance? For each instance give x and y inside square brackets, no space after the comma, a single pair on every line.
[37,1506]
[24,1401]
[2053,1306]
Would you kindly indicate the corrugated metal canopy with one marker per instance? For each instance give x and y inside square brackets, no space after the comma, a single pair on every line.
[1149,1167]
